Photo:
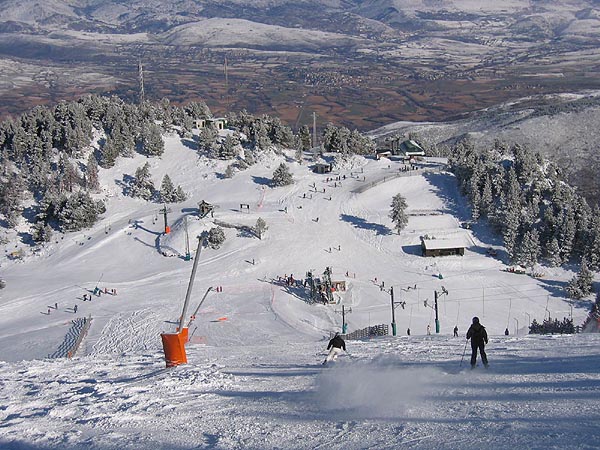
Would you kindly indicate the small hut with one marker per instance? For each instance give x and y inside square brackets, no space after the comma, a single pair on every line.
[442,247]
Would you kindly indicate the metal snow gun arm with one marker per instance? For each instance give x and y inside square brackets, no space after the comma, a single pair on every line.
[174,343]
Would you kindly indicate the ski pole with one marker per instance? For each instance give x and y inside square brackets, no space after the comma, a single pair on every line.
[464,351]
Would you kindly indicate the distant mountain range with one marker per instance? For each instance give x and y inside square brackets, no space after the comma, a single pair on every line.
[361,63]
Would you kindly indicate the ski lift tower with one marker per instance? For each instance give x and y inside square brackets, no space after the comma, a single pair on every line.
[165,211]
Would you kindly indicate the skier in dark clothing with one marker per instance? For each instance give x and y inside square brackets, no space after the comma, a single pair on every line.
[455,330]
[335,348]
[479,338]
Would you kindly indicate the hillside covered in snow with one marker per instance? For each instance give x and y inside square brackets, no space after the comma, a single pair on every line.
[254,377]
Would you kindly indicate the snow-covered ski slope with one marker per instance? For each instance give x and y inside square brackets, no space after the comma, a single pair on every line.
[254,378]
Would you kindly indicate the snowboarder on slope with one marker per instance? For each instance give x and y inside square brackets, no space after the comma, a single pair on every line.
[335,348]
[479,338]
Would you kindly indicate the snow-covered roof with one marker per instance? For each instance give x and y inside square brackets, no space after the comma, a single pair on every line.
[439,244]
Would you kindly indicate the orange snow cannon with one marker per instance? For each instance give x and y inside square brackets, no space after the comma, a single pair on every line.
[174,348]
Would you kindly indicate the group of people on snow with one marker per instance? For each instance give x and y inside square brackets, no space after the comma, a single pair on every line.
[476,333]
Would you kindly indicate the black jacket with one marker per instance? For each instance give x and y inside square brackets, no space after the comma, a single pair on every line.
[477,333]
[337,342]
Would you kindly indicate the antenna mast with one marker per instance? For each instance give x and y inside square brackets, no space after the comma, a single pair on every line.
[141,81]
[314,129]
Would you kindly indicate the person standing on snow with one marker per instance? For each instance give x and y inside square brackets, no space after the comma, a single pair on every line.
[335,348]
[455,330]
[479,338]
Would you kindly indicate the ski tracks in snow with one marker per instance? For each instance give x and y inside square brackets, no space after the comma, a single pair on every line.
[127,332]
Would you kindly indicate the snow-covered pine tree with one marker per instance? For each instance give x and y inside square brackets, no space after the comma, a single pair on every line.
[280,134]
[228,148]
[152,141]
[11,198]
[79,211]
[529,251]
[261,136]
[305,138]
[215,237]
[167,190]
[108,153]
[260,227]
[180,195]
[398,212]
[592,252]
[553,253]
[91,174]
[68,177]
[142,185]
[282,176]
[586,278]
[486,196]
[42,232]
[581,284]
[207,141]
[298,152]
[229,171]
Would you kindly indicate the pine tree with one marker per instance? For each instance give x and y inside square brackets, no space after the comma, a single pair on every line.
[68,176]
[586,278]
[398,212]
[298,152]
[142,185]
[91,173]
[11,198]
[42,232]
[305,138]
[553,253]
[109,153]
[152,141]
[261,136]
[79,211]
[260,227]
[207,141]
[167,192]
[216,236]
[180,195]
[486,196]
[282,176]
[228,148]
[592,252]
[529,251]
[510,232]
[580,285]
[229,171]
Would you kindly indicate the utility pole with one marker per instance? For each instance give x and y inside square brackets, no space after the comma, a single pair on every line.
[437,320]
[164,211]
[393,311]
[344,311]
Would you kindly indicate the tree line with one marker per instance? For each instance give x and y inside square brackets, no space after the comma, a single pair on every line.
[51,157]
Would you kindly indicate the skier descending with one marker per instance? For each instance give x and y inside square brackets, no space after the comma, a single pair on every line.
[479,338]
[335,348]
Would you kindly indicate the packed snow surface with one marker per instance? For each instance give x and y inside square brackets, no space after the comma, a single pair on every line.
[254,377]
